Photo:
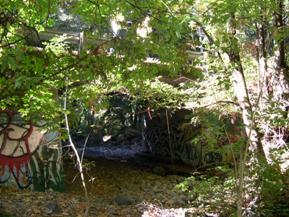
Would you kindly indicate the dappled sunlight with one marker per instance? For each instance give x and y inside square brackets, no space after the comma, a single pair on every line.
[149,108]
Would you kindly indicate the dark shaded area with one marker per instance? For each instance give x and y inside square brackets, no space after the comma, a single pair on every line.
[126,130]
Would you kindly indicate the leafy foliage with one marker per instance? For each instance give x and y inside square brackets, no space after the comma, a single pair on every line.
[133,42]
[274,192]
[215,190]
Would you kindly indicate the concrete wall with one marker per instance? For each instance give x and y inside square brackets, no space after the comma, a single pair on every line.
[30,156]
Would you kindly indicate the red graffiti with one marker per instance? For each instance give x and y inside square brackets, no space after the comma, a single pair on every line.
[149,113]
[19,154]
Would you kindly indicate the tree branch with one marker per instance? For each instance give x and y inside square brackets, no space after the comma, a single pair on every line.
[78,160]
[216,103]
[11,43]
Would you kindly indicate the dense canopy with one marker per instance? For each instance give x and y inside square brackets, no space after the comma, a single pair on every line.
[219,57]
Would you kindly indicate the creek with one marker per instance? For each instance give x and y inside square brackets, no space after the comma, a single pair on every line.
[121,185]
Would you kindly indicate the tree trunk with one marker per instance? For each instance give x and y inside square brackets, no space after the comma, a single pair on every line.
[278,63]
[241,92]
[254,144]
[278,84]
[262,57]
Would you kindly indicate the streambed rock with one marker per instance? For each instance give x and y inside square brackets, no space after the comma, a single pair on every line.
[52,207]
[123,200]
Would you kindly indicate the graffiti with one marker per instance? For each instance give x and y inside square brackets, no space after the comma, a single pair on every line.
[15,148]
[21,153]
[183,141]
[46,164]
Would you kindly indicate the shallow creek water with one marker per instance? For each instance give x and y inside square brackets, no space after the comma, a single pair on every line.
[125,184]
[109,178]
[116,188]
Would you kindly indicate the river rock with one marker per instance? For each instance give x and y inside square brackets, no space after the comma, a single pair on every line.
[52,207]
[122,200]
[159,171]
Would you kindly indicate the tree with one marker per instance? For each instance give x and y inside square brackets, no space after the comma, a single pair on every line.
[230,21]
